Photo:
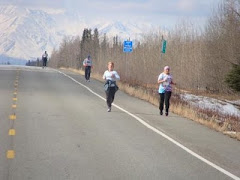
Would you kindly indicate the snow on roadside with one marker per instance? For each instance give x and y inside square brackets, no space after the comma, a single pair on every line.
[234,102]
[225,108]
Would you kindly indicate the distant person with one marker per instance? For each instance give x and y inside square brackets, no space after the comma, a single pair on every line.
[44,59]
[165,89]
[110,86]
[87,63]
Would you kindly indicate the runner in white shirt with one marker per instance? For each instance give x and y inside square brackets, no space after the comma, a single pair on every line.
[44,59]
[110,85]
[87,63]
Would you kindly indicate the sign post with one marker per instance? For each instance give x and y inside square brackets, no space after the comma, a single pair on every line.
[164,46]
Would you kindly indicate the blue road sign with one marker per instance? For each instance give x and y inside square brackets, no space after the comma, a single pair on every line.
[127,46]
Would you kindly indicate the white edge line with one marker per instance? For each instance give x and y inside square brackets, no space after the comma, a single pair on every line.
[159,132]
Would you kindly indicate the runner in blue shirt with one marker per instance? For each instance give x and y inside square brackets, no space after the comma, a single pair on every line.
[165,89]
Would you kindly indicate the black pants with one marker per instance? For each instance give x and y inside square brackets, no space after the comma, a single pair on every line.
[87,72]
[110,96]
[44,62]
[164,97]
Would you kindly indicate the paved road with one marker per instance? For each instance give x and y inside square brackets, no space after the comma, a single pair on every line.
[58,129]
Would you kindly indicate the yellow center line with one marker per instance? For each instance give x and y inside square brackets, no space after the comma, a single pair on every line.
[14,106]
[11,132]
[12,117]
[10,154]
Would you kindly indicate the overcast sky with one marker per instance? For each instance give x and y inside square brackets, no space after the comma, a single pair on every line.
[164,13]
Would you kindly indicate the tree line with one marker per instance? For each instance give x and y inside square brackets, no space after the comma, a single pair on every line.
[206,59]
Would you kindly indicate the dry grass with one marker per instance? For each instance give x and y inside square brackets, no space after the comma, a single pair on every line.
[207,117]
[235,135]
[228,125]
[140,92]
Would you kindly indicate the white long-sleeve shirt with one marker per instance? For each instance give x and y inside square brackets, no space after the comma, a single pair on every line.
[108,75]
[45,55]
[87,62]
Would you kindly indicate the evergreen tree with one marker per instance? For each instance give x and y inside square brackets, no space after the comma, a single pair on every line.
[95,44]
[96,37]
[86,43]
[233,78]
[104,42]
[104,46]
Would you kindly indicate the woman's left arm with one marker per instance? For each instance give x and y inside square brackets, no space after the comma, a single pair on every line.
[173,83]
[104,75]
[117,77]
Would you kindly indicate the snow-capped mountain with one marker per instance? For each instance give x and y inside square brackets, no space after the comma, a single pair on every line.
[26,33]
[124,30]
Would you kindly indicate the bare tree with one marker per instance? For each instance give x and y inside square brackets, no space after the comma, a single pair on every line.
[199,58]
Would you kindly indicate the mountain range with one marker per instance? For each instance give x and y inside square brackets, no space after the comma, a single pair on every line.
[25,33]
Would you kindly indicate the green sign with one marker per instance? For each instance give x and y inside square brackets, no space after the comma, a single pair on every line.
[164,46]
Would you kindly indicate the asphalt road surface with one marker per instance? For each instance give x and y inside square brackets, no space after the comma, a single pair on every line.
[55,126]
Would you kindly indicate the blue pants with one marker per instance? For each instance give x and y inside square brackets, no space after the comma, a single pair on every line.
[87,72]
[44,62]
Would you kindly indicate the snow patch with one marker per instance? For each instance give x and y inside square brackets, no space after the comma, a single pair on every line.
[225,108]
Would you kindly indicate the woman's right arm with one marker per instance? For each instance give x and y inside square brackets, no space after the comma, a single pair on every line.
[84,63]
[104,75]
[160,79]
